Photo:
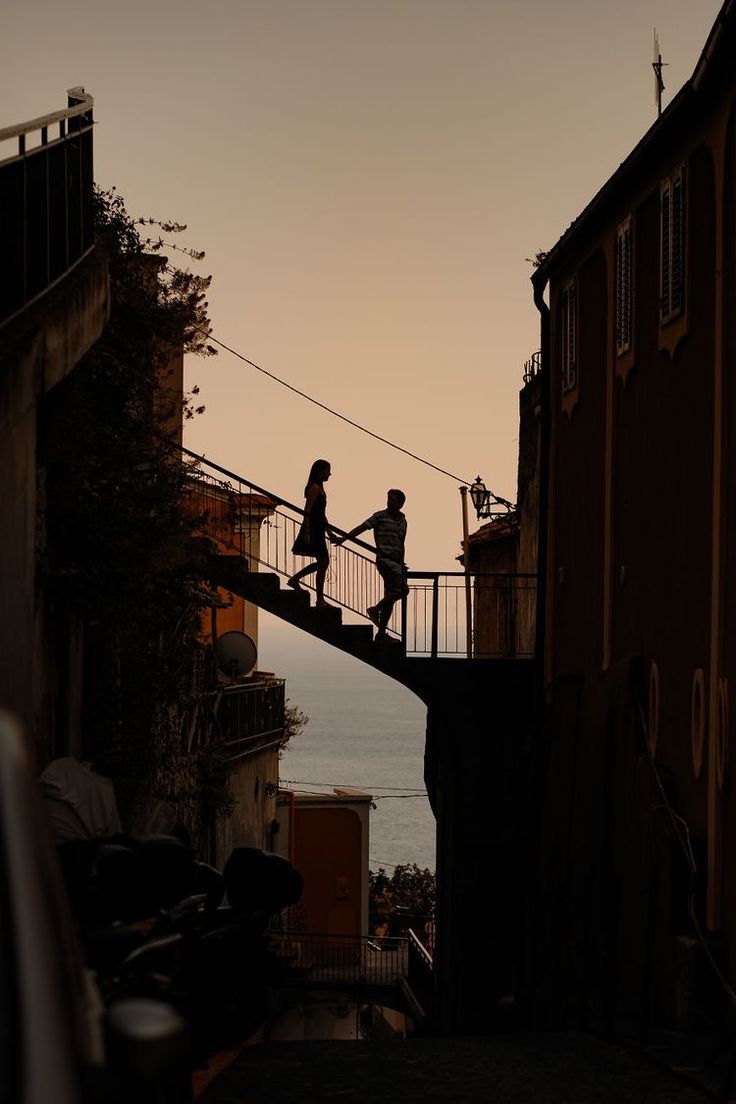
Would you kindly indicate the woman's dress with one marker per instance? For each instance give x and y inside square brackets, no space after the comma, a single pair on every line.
[316,546]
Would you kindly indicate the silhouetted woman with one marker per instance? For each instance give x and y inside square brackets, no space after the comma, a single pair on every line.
[312,537]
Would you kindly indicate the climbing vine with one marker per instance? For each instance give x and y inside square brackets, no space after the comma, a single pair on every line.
[120,560]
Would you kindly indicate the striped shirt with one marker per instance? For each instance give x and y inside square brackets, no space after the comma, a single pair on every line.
[389,533]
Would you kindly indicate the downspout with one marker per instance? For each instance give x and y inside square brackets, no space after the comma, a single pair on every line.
[539,734]
[539,285]
[292,817]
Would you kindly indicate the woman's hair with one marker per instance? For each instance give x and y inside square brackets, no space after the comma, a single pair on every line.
[317,472]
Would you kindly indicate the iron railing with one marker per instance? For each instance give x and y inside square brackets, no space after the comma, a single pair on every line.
[243,519]
[503,611]
[532,366]
[46,202]
[246,713]
[420,975]
[341,961]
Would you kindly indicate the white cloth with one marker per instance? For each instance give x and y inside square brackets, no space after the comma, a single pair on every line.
[80,803]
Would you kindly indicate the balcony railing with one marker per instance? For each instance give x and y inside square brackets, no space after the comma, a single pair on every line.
[246,715]
[341,961]
[532,366]
[502,613]
[46,201]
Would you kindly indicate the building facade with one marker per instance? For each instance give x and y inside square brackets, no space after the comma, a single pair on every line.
[638,546]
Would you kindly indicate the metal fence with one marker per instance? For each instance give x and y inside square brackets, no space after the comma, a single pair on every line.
[248,712]
[502,614]
[46,201]
[420,976]
[341,961]
[532,366]
[243,519]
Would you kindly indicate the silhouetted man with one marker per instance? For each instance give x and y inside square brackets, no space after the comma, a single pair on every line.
[389,533]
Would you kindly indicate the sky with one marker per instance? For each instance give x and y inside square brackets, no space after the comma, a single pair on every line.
[367,179]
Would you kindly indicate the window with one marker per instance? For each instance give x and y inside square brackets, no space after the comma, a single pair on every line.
[672,246]
[569,337]
[624,289]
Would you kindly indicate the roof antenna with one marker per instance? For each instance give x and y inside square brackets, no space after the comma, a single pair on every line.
[657,66]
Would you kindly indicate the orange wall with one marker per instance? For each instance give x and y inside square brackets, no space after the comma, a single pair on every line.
[327,853]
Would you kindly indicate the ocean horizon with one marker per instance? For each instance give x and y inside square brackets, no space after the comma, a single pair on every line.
[365,730]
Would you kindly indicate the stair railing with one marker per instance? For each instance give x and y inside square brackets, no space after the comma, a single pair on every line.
[243,519]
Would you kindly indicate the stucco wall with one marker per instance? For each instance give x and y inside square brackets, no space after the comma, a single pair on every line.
[37,350]
[254,808]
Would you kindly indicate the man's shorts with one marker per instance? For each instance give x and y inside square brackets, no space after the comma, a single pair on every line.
[393,575]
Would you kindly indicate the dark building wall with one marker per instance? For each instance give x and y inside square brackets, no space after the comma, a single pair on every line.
[478,771]
[641,505]
[579,429]
[661,491]
[727,691]
[39,348]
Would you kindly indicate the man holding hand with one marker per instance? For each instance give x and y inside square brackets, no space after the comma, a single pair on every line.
[389,533]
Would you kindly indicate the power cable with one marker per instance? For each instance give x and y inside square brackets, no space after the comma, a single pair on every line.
[344,418]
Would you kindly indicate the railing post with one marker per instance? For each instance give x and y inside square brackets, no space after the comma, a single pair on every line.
[435,614]
[466,565]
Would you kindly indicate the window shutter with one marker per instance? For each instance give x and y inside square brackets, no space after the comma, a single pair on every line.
[624,288]
[665,253]
[569,337]
[676,248]
[672,246]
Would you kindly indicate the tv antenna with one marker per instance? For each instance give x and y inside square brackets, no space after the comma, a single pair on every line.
[657,66]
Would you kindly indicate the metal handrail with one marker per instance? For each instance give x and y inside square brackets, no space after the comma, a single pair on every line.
[532,366]
[318,958]
[82,105]
[46,204]
[244,519]
[259,490]
[352,582]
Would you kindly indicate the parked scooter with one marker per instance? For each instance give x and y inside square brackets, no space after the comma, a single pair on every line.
[153,925]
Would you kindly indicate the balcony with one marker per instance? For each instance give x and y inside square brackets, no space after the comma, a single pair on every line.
[249,715]
[532,367]
[46,197]
[483,615]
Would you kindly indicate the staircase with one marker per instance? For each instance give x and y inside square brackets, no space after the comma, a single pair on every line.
[263,589]
[248,532]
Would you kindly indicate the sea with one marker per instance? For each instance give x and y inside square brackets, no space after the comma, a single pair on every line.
[365,730]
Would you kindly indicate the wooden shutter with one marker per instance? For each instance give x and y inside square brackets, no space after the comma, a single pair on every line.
[624,288]
[569,337]
[672,256]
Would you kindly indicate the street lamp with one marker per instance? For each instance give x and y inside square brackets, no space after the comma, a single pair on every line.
[486,505]
[485,502]
[480,496]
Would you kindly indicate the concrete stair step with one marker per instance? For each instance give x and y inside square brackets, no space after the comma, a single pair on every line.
[288,603]
[268,590]
[356,636]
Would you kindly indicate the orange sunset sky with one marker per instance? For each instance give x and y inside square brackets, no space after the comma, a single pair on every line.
[367,178]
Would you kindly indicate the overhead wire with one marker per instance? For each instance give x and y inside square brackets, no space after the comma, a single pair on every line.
[356,425]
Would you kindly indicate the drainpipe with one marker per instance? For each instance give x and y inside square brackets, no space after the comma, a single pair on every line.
[292,815]
[466,564]
[539,735]
[539,284]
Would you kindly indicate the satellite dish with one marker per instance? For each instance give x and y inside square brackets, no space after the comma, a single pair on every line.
[236,653]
